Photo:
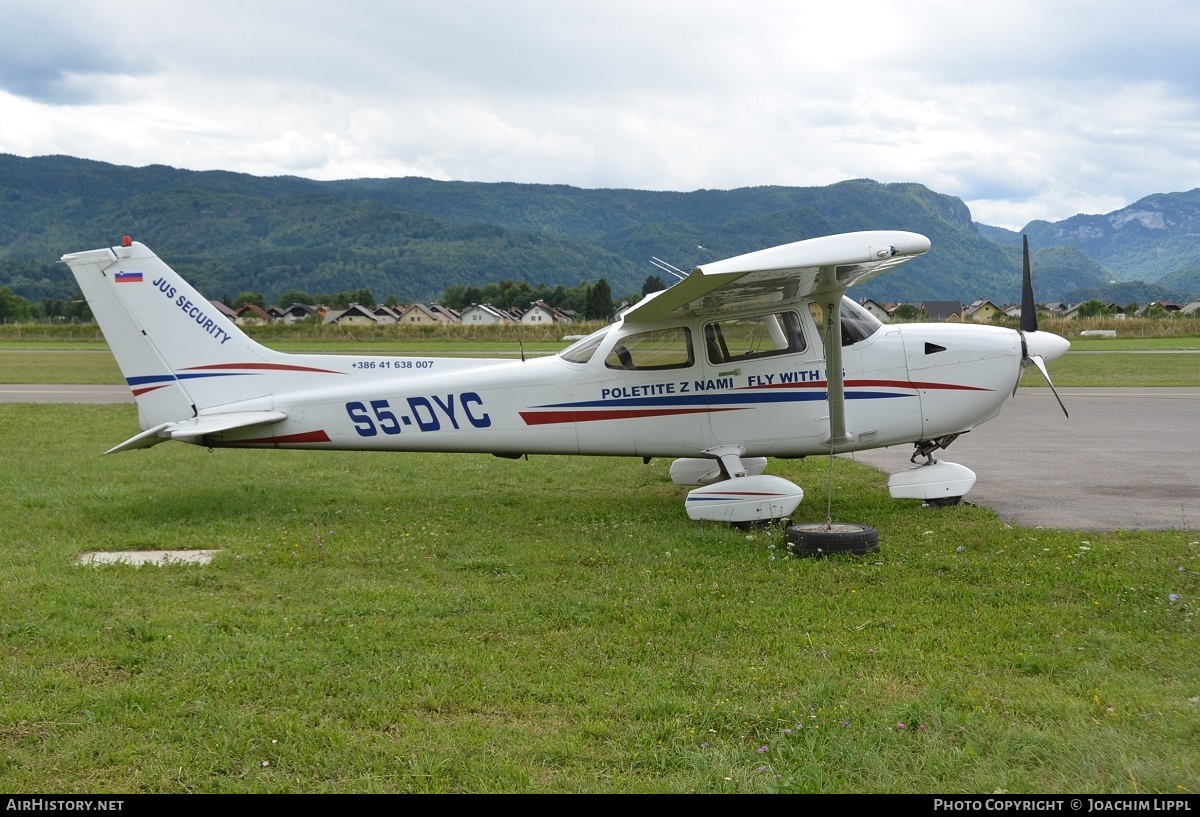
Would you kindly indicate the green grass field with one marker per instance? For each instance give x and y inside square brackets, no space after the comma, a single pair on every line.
[461,623]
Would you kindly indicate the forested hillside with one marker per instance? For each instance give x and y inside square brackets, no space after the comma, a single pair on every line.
[415,238]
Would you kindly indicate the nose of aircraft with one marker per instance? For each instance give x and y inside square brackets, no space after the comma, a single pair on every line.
[1047,345]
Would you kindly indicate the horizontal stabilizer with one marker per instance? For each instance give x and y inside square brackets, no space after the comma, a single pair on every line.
[149,437]
[190,430]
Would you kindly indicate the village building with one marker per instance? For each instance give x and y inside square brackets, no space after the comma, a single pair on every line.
[877,309]
[1110,310]
[385,315]
[540,312]
[941,310]
[293,314]
[1169,307]
[1015,311]
[983,311]
[224,310]
[355,315]
[252,315]
[444,313]
[485,315]
[418,315]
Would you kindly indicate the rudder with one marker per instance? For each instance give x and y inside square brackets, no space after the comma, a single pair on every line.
[178,354]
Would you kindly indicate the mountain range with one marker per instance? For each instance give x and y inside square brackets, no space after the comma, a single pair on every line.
[412,237]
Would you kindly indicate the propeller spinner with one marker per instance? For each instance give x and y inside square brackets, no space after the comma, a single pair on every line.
[1037,347]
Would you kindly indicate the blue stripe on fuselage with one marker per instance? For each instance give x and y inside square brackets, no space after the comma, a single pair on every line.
[709,399]
[170,378]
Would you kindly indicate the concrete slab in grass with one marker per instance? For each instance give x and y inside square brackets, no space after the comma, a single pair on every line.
[148,557]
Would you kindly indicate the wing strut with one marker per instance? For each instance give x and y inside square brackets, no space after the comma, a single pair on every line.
[839,436]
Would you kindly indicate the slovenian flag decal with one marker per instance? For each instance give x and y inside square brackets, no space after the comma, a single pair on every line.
[128,278]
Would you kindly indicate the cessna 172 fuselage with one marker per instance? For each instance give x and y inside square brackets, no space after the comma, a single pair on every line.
[756,356]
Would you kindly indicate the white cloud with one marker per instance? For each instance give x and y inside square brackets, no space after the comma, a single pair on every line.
[1023,109]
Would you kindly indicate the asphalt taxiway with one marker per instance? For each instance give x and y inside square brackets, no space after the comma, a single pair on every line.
[1127,458]
[21,393]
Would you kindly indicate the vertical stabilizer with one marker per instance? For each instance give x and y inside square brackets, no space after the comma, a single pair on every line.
[178,353]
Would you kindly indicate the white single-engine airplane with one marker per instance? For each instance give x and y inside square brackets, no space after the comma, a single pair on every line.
[756,356]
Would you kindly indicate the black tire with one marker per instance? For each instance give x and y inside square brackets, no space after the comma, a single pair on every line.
[819,539]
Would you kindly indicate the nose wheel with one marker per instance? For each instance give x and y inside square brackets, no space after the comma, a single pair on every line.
[935,482]
[925,448]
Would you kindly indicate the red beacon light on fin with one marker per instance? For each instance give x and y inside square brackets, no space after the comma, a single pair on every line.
[126,242]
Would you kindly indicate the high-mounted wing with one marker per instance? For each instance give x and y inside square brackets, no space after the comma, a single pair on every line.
[819,268]
[829,264]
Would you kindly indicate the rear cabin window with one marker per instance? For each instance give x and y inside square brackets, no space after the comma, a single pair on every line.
[749,338]
[657,349]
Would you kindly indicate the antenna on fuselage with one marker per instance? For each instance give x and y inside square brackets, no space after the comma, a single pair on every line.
[668,268]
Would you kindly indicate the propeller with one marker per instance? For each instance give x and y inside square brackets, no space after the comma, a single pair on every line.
[1037,347]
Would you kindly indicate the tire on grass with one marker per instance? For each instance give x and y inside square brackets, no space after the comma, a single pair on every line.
[819,539]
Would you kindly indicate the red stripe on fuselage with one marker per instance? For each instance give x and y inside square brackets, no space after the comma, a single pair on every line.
[915,384]
[537,418]
[285,439]
[277,367]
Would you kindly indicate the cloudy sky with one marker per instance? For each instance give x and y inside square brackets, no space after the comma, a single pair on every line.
[1024,109]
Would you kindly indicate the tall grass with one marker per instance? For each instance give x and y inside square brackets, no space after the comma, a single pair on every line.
[1176,326]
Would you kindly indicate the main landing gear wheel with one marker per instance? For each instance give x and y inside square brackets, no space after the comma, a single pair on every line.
[821,539]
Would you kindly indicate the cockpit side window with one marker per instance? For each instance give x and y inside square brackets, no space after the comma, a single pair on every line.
[754,337]
[656,349]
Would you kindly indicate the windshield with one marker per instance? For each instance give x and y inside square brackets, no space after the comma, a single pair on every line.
[857,323]
[582,351]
